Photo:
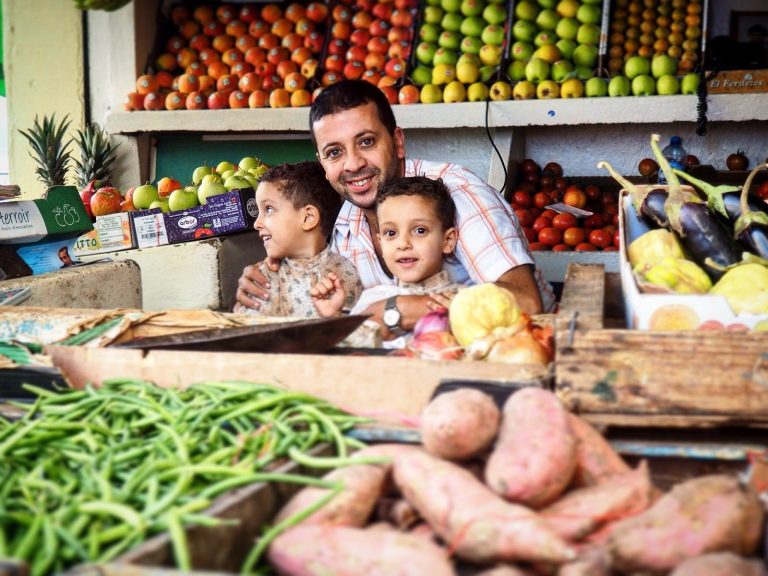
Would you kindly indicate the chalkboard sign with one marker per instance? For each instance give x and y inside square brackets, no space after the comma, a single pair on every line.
[178,155]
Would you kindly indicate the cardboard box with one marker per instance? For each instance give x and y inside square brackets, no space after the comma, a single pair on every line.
[738,81]
[655,311]
[44,257]
[222,214]
[60,214]
[112,233]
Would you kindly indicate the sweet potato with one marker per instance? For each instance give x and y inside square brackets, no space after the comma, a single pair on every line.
[475,522]
[535,454]
[460,424]
[721,564]
[504,570]
[582,511]
[363,485]
[596,460]
[341,551]
[712,513]
[591,562]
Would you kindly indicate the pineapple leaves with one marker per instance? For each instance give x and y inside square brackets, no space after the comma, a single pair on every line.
[97,155]
[49,150]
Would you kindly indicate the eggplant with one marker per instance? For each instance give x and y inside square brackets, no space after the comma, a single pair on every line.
[724,199]
[751,227]
[648,203]
[703,236]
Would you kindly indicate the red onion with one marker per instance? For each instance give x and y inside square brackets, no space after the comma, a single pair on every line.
[435,321]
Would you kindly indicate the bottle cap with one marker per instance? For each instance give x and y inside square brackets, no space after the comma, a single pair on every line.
[675,140]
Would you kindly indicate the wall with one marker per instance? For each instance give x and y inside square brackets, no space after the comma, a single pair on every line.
[719,23]
[43,44]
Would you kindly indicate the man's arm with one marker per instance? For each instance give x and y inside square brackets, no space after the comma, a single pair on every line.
[253,286]
[520,281]
[411,309]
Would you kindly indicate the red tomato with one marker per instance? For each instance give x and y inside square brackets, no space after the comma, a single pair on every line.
[574,196]
[617,239]
[548,214]
[550,236]
[610,249]
[530,235]
[538,246]
[610,228]
[616,219]
[540,223]
[574,236]
[564,221]
[762,191]
[594,221]
[524,217]
[522,198]
[601,238]
[585,247]
[541,199]
[593,192]
[561,248]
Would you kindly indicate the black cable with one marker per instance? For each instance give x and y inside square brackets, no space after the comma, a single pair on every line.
[498,153]
[701,104]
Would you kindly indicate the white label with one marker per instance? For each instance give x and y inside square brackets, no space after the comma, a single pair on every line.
[561,207]
[150,231]
[21,221]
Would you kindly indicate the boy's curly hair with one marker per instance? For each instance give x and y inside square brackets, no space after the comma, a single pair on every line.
[433,190]
[304,183]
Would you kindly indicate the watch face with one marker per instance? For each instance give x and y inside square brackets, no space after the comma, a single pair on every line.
[391,317]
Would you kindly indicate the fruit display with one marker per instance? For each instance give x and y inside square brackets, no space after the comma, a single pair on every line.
[560,229]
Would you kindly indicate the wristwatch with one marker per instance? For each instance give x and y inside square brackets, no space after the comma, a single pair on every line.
[392,317]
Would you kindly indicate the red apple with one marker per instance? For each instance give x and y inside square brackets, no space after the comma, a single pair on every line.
[218,101]
[105,201]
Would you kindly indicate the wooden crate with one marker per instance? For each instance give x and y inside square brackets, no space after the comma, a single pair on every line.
[640,378]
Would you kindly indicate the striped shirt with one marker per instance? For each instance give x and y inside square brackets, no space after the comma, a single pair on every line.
[490,240]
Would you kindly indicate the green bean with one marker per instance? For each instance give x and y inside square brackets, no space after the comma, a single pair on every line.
[29,542]
[341,447]
[17,436]
[334,462]
[120,511]
[179,541]
[46,557]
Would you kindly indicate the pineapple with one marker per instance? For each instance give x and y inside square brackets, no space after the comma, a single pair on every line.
[96,156]
[49,149]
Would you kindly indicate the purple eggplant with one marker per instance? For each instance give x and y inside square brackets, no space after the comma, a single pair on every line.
[648,203]
[724,199]
[751,227]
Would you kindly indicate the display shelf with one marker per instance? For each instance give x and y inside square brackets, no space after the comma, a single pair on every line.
[558,112]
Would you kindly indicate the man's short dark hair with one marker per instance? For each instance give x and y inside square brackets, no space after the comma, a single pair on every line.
[433,190]
[304,183]
[349,94]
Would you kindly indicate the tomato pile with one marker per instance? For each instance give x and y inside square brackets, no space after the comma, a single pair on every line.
[546,229]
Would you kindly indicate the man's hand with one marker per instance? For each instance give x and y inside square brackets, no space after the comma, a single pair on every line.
[253,286]
[411,309]
[521,283]
[328,296]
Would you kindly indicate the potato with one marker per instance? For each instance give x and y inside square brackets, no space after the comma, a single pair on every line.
[460,424]
[712,513]
[596,460]
[721,564]
[535,454]
[322,550]
[475,522]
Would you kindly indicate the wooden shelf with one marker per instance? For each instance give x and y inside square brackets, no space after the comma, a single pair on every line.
[558,112]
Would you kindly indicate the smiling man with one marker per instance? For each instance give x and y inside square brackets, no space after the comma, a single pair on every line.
[361,148]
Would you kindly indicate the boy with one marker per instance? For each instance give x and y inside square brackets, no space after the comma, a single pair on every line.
[297,209]
[417,232]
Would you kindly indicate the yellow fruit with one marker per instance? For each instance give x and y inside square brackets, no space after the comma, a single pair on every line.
[673,317]
[482,310]
[653,246]
[678,275]
[745,287]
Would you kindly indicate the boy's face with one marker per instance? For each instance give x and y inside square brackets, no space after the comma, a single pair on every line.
[413,241]
[357,153]
[279,224]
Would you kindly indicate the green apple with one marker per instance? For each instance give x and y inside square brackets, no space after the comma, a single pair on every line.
[454,92]
[663,65]
[524,30]
[690,83]
[430,32]
[667,85]
[477,92]
[544,37]
[548,52]
[433,3]
[421,75]
[567,8]
[443,74]
[588,14]
[583,72]
[561,70]
[619,86]
[430,94]
[208,189]
[223,166]
[548,3]
[183,198]
[588,34]
[537,70]
[252,179]
[572,88]
[566,47]
[596,87]
[524,90]
[211,179]
[472,26]
[516,70]
[199,172]
[495,14]
[585,55]
[500,90]
[471,45]
[526,10]
[433,15]
[235,182]
[161,203]
[521,51]
[451,21]
[425,52]
[636,66]
[490,55]
[248,162]
[449,40]
[468,58]
[598,2]
[547,19]
[445,56]
[226,174]
[472,7]
[488,72]
[450,5]
[493,34]
[567,28]
[259,171]
[144,195]
[467,72]
[643,85]
[547,90]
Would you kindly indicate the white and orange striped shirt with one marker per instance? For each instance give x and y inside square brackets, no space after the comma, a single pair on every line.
[490,238]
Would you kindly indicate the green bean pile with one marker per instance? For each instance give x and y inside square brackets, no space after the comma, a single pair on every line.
[87,474]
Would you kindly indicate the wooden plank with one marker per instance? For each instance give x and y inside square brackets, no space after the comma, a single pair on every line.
[583,296]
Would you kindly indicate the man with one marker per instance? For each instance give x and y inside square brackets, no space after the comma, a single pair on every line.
[66,259]
[361,148]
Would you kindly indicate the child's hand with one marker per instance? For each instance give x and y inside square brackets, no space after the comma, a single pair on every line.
[328,296]
[441,300]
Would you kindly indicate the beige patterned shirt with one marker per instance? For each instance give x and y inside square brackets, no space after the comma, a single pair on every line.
[290,285]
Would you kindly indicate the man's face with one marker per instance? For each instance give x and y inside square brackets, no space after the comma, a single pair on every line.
[358,154]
